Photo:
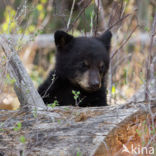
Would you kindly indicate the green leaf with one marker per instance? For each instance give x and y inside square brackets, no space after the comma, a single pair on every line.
[35,112]
[125,75]
[54,104]
[10,80]
[59,121]
[18,126]
[146,29]
[73,92]
[22,139]
[1,129]
[78,154]
[78,92]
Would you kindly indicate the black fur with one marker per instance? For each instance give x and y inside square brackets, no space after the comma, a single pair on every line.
[70,56]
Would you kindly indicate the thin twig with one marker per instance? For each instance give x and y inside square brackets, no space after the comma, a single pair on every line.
[118,21]
[149,59]
[111,14]
[80,13]
[97,16]
[124,42]
[71,12]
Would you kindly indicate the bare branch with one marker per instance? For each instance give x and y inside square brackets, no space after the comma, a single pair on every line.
[149,59]
[71,12]
[124,42]
[118,21]
[80,13]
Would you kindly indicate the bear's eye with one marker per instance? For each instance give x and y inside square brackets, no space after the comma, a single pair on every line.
[85,64]
[101,67]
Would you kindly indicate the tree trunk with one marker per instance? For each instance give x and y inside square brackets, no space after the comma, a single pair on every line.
[24,88]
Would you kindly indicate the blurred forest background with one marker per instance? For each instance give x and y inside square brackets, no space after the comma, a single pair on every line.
[30,24]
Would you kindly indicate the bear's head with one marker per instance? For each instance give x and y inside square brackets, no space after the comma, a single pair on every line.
[84,61]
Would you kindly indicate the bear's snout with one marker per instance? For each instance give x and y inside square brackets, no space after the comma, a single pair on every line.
[94,80]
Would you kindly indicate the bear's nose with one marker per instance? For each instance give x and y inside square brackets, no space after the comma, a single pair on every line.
[95,84]
[94,80]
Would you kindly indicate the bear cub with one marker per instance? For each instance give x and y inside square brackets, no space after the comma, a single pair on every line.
[80,68]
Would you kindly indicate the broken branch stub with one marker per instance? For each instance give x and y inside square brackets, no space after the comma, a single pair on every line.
[23,86]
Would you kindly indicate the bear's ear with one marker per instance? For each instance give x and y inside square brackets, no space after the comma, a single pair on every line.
[62,38]
[106,39]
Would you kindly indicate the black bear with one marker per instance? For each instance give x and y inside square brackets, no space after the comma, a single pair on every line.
[79,74]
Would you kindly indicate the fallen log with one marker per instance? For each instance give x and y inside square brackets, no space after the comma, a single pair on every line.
[47,40]
[68,131]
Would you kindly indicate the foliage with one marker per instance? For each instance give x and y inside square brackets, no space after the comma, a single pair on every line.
[18,126]
[41,17]
[11,19]
[22,139]
[54,104]
[76,96]
[10,22]
[10,80]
